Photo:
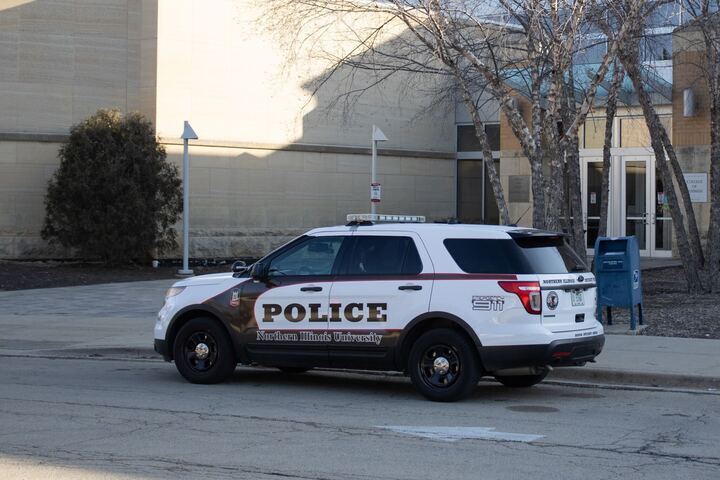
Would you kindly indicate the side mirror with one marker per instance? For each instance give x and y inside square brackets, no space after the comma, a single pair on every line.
[239,267]
[260,271]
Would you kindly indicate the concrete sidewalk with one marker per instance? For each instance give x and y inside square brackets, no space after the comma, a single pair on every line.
[116,321]
[652,361]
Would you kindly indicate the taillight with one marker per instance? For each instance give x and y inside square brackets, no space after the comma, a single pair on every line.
[528,293]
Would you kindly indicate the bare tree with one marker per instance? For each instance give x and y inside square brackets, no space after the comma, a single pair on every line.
[520,51]
[703,33]
[610,112]
[493,174]
[682,214]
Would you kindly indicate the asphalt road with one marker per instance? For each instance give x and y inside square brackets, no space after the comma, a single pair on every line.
[92,418]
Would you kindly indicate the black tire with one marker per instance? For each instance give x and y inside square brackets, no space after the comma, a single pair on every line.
[521,381]
[216,365]
[462,370]
[293,370]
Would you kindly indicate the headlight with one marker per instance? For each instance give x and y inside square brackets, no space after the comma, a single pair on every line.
[172,291]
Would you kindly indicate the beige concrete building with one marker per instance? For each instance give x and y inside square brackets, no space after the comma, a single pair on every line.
[275,157]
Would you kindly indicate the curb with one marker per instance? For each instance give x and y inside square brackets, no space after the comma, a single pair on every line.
[644,379]
[595,376]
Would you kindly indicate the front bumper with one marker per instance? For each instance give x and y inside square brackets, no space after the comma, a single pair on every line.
[560,353]
[161,347]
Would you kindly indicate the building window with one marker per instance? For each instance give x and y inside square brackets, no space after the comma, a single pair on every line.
[591,49]
[665,15]
[634,131]
[656,47]
[476,200]
[467,140]
[593,133]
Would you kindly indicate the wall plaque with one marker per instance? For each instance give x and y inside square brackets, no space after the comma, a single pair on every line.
[519,188]
[698,186]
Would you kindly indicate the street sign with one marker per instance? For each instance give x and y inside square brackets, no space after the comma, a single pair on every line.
[375,192]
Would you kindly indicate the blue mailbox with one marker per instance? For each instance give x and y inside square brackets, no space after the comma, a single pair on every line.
[617,273]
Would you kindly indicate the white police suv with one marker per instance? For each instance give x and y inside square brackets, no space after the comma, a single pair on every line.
[445,303]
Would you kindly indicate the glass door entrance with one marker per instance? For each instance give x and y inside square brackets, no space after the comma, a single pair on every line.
[636,202]
[645,209]
[661,222]
[592,198]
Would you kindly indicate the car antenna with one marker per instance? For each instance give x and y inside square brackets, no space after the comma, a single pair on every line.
[514,224]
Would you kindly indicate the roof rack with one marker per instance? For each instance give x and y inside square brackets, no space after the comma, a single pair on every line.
[371,218]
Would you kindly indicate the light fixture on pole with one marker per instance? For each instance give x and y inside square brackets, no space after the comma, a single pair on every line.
[375,189]
[689,103]
[188,134]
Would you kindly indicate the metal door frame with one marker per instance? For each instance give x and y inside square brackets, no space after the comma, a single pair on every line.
[584,161]
[654,252]
[650,216]
[645,252]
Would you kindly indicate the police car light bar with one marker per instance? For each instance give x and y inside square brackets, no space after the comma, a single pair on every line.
[378,217]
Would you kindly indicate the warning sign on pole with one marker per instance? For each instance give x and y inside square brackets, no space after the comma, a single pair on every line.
[375,192]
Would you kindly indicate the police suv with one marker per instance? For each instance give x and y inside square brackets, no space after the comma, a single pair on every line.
[446,304]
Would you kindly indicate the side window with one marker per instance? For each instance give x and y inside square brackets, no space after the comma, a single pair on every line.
[316,256]
[474,255]
[376,255]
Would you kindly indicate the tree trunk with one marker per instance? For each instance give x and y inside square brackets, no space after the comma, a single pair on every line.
[487,153]
[572,158]
[629,59]
[693,231]
[712,55]
[713,240]
[555,180]
[610,112]
[566,203]
[536,158]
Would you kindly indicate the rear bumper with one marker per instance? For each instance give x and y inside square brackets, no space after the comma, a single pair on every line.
[560,353]
[161,347]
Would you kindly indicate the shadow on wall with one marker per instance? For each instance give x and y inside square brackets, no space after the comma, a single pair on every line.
[246,201]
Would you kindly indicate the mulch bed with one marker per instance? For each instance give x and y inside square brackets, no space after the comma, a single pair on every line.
[669,310]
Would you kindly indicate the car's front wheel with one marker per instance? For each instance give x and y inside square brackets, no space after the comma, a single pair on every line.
[443,365]
[203,351]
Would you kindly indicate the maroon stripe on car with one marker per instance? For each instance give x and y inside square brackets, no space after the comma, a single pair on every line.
[474,276]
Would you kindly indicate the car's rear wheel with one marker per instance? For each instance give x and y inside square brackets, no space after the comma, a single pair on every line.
[521,381]
[203,352]
[443,365]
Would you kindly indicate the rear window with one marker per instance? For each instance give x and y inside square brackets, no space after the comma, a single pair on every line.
[529,255]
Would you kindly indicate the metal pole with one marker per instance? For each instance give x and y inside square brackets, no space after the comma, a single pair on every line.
[373,179]
[186,209]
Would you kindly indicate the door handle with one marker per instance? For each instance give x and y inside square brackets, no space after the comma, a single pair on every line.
[311,289]
[410,287]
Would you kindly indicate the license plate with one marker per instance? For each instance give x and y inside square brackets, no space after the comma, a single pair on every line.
[576,298]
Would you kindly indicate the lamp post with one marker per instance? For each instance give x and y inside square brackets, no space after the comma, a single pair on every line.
[375,189]
[188,133]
